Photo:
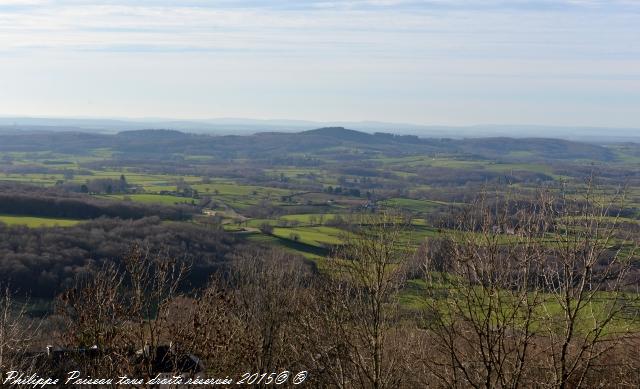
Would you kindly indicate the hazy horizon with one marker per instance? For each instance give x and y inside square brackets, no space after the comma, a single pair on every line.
[245,126]
[231,119]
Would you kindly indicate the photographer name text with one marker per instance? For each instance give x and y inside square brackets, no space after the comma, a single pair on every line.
[75,378]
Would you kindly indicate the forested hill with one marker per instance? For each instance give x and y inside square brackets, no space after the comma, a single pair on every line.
[314,142]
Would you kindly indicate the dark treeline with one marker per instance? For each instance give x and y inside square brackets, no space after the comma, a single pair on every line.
[455,177]
[9,168]
[100,186]
[50,202]
[42,261]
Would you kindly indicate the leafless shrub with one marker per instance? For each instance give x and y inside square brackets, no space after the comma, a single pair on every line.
[268,289]
[535,295]
[121,311]
[353,329]
[18,332]
[586,280]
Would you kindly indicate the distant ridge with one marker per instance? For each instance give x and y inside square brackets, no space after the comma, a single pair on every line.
[229,126]
[157,133]
[340,133]
[319,141]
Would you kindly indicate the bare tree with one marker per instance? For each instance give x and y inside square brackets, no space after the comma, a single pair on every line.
[119,311]
[17,333]
[592,307]
[154,281]
[205,324]
[534,294]
[268,292]
[94,315]
[355,335]
[481,304]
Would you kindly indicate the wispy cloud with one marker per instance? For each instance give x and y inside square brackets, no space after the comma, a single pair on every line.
[388,57]
[301,25]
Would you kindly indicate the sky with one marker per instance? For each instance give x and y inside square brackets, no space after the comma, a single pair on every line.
[432,62]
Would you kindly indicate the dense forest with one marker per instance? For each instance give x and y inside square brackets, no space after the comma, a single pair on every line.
[43,261]
[18,199]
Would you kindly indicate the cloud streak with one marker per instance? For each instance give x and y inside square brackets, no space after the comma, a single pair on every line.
[321,25]
[414,58]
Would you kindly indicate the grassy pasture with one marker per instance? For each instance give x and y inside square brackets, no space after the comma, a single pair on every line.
[314,236]
[231,189]
[530,167]
[419,295]
[256,223]
[419,206]
[35,179]
[308,251]
[306,218]
[34,222]
[153,198]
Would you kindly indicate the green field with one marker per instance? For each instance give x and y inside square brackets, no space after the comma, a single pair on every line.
[36,221]
[307,218]
[314,236]
[153,199]
[418,295]
[302,205]
[420,206]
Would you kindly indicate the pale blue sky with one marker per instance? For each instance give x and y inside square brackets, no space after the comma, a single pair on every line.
[455,62]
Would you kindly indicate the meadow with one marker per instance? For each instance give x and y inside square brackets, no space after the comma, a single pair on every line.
[290,208]
[35,222]
[306,198]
